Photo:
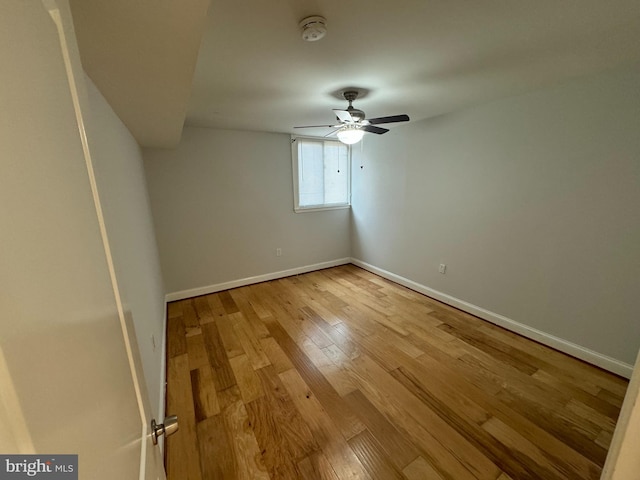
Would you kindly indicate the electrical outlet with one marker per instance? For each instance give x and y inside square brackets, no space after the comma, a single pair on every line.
[443,268]
[278,252]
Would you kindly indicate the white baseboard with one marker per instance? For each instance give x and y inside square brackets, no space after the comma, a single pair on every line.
[590,356]
[603,361]
[195,292]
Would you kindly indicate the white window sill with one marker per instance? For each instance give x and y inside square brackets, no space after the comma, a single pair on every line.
[320,208]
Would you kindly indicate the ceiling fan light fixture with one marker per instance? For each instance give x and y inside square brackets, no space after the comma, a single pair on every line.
[313,28]
[352,123]
[350,135]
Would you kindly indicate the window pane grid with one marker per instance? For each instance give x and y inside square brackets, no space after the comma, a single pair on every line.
[322,173]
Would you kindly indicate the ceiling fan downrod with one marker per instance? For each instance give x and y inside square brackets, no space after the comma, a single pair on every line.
[350,96]
[357,116]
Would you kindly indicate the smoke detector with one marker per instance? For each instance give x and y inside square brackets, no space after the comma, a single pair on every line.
[313,28]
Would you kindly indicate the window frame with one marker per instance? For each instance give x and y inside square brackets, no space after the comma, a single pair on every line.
[296,193]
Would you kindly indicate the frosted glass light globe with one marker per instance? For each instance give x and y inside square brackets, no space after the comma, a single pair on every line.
[349,136]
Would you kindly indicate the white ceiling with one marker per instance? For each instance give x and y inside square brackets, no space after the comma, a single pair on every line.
[142,54]
[420,57]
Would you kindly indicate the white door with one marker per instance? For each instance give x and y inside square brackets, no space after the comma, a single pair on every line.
[623,461]
[68,378]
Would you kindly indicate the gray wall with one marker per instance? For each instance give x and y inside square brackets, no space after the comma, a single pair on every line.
[123,194]
[222,203]
[533,202]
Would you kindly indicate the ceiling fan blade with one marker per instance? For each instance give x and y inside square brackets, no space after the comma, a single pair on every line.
[391,119]
[372,129]
[332,133]
[315,126]
[343,115]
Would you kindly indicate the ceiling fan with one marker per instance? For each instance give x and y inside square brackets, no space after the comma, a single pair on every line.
[352,123]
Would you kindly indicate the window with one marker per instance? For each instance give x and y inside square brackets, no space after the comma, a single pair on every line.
[321,174]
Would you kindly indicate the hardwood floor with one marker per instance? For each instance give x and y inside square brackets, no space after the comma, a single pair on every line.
[340,374]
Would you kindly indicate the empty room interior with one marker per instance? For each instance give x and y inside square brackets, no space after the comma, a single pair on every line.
[337,240]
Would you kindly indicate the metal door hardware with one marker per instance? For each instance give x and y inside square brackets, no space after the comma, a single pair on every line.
[169,427]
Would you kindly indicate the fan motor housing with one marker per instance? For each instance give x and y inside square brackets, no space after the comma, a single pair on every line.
[358,115]
[350,96]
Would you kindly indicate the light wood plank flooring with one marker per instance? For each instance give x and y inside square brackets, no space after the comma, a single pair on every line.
[340,374]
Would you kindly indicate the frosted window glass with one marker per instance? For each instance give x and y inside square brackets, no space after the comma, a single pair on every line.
[322,173]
